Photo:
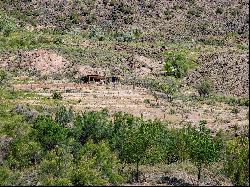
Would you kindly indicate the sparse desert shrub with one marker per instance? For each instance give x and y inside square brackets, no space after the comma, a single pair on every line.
[235,111]
[57,95]
[124,37]
[194,12]
[29,114]
[91,18]
[219,10]
[128,20]
[172,111]
[169,14]
[204,88]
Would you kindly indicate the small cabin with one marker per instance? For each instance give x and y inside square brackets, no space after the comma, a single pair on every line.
[91,78]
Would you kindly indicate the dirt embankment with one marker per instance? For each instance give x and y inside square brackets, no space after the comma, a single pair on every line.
[40,63]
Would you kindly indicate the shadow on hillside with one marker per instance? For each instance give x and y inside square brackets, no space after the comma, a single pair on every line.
[174,181]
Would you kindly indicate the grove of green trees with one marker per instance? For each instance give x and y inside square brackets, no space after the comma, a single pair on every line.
[92,148]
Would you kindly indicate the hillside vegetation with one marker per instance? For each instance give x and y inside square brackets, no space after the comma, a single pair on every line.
[179,114]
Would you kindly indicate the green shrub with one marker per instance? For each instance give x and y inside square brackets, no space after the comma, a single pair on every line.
[194,12]
[177,64]
[7,24]
[75,18]
[147,101]
[3,76]
[97,33]
[24,153]
[235,111]
[64,116]
[236,164]
[7,176]
[56,168]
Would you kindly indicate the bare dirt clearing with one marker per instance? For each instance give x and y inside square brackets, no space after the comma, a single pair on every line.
[140,102]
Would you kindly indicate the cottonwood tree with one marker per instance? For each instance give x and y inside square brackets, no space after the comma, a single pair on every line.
[96,164]
[136,140]
[202,148]
[92,125]
[49,133]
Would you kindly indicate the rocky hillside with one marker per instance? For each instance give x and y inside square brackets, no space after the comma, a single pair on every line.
[228,72]
[150,19]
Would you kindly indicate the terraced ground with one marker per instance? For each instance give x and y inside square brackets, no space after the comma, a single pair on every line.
[142,102]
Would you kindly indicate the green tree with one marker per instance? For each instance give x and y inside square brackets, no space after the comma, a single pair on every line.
[96,165]
[202,147]
[174,145]
[49,133]
[92,125]
[236,164]
[127,140]
[57,167]
[137,141]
